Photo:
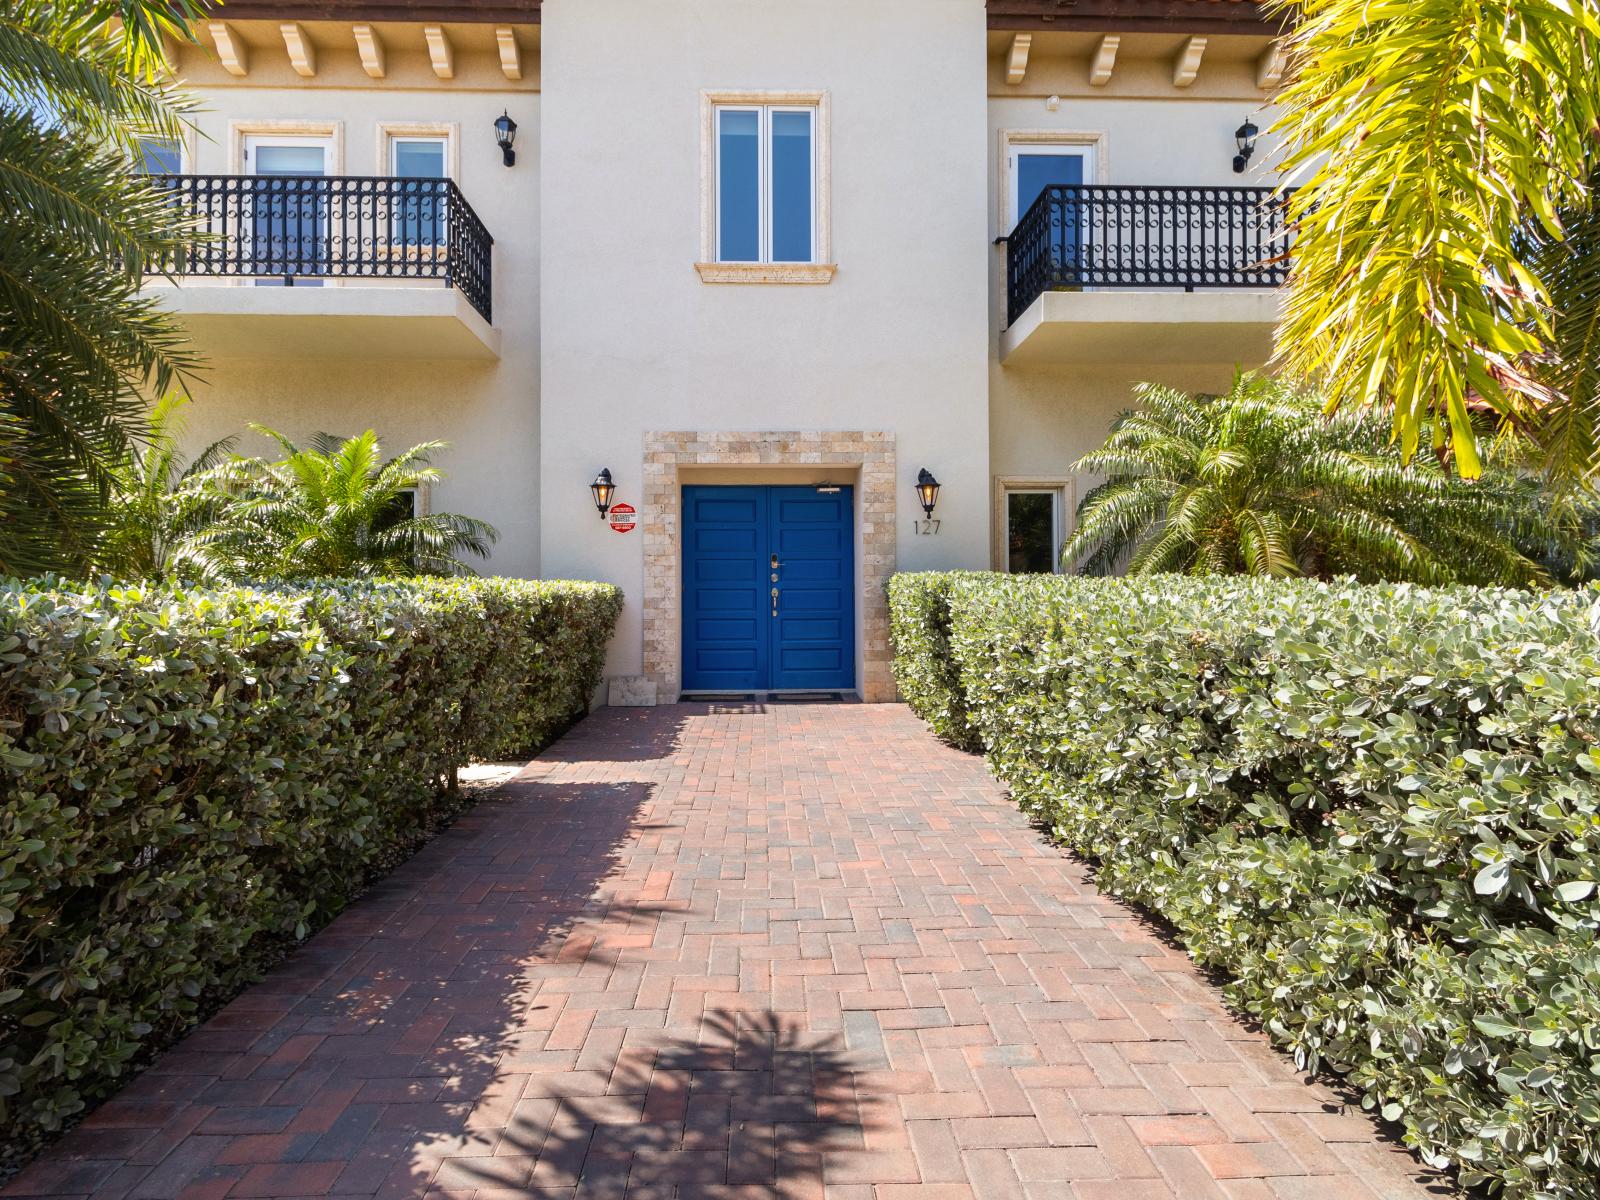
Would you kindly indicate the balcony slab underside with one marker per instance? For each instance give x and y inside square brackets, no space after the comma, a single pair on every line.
[332,322]
[1146,327]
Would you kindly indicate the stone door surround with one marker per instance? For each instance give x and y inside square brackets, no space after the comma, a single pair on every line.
[872,451]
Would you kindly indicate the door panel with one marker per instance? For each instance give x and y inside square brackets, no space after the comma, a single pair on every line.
[1035,168]
[289,220]
[735,638]
[814,633]
[725,601]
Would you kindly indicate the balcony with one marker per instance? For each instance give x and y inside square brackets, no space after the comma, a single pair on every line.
[332,267]
[1111,274]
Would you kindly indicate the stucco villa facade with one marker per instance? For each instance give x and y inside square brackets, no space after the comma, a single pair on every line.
[765,261]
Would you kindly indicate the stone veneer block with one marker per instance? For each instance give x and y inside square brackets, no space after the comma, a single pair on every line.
[631,691]
[872,450]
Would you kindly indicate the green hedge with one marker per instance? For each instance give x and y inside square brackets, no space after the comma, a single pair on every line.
[924,668]
[191,776]
[1375,808]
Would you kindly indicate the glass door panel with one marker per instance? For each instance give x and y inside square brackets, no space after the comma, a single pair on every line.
[1035,168]
[418,211]
[289,219]
[1032,533]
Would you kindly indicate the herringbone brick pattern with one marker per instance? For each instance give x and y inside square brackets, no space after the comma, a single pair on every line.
[798,951]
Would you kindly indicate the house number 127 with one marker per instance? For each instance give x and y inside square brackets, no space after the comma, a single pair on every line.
[928,527]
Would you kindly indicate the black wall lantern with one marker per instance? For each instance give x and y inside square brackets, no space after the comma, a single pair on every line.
[927,490]
[505,133]
[603,490]
[1244,137]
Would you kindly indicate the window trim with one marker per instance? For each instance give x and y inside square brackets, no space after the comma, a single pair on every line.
[330,131]
[1062,487]
[390,135]
[822,267]
[421,498]
[390,132]
[285,139]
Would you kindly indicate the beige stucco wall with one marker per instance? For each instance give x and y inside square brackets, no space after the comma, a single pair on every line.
[635,342]
[1042,419]
[903,340]
[487,410]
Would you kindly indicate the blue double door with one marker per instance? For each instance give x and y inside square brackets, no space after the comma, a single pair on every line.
[768,589]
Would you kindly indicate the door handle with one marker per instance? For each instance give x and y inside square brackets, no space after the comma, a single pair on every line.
[775,563]
[774,601]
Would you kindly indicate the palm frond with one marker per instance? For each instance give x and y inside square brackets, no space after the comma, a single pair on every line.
[1264,483]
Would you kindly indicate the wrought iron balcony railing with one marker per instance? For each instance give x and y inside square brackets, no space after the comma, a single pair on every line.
[1100,235]
[306,228]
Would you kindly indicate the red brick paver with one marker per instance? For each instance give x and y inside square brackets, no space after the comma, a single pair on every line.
[785,951]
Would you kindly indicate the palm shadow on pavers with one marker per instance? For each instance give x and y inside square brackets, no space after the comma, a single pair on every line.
[400,1035]
[754,1103]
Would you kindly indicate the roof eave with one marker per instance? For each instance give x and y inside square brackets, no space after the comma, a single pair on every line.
[1136,16]
[477,12]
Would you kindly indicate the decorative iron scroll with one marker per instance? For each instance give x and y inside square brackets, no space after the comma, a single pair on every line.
[308,227]
[1104,235]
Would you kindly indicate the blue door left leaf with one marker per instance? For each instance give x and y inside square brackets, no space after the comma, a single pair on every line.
[738,636]
[724,588]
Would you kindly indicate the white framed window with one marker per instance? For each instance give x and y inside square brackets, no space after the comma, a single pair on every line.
[766,183]
[1034,166]
[410,149]
[416,157]
[418,209]
[1030,160]
[764,188]
[1031,524]
[245,138]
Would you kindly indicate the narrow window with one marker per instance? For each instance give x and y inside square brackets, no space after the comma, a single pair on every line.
[420,200]
[793,188]
[1033,532]
[404,505]
[739,184]
[766,183]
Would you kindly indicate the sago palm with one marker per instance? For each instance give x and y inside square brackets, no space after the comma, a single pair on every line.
[338,508]
[79,344]
[1258,481]
[162,505]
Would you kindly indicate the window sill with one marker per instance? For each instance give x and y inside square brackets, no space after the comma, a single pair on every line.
[712,272]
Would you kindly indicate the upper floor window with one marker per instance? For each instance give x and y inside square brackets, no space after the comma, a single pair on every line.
[420,215]
[418,157]
[158,156]
[766,183]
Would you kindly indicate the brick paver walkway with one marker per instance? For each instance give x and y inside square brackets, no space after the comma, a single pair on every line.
[804,951]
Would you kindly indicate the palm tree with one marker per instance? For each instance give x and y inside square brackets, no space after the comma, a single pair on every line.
[162,506]
[1258,481]
[80,83]
[338,508]
[1565,429]
[1444,149]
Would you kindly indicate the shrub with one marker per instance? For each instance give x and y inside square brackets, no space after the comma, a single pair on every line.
[191,776]
[924,668]
[1375,808]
